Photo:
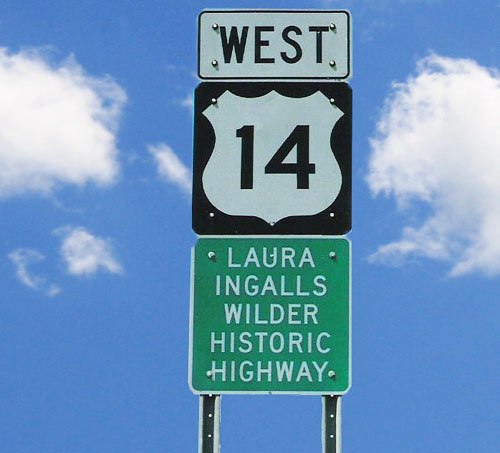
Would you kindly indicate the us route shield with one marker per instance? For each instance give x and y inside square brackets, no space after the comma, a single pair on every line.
[272,158]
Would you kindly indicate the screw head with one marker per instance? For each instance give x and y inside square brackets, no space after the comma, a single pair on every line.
[211,255]
[214,100]
[332,63]
[333,27]
[215,26]
[331,374]
[332,255]
[215,63]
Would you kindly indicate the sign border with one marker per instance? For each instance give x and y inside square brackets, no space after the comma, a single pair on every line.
[207,219]
[264,392]
[285,11]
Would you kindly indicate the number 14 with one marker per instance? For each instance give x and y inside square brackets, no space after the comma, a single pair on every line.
[302,167]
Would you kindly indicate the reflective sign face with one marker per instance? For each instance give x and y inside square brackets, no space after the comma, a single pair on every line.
[270,315]
[272,158]
[253,44]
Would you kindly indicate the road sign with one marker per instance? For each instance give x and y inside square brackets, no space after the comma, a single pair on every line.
[272,158]
[267,44]
[270,315]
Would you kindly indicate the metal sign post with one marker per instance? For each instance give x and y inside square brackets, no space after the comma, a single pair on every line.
[271,273]
[209,430]
[331,427]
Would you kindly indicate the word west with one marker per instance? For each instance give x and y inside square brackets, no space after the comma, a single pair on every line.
[290,42]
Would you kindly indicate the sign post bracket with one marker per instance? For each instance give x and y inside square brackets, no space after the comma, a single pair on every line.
[332,442]
[209,430]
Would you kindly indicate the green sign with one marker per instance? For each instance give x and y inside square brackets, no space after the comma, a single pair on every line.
[270,315]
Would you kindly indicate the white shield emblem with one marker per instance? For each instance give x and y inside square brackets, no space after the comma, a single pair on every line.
[272,156]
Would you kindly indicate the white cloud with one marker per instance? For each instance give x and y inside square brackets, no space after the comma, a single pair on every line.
[170,167]
[85,253]
[438,144]
[57,124]
[24,258]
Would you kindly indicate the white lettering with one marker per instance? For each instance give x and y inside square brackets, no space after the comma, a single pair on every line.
[306,258]
[233,285]
[274,256]
[284,369]
[269,286]
[320,370]
[277,314]
[257,317]
[293,313]
[261,371]
[214,342]
[230,258]
[233,311]
[295,339]
[287,254]
[318,343]
[244,339]
[253,289]
[319,281]
[304,372]
[299,284]
[252,258]
[310,311]
[248,376]
[281,338]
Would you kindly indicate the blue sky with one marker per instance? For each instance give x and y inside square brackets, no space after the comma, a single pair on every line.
[95,168]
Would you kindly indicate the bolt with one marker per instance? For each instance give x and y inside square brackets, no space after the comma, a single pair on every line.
[211,256]
[332,214]
[332,101]
[214,101]
[332,255]
[215,63]
[212,214]
[331,63]
[333,27]
[209,374]
[215,26]
[331,374]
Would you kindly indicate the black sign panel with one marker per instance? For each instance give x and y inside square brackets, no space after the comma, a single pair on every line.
[272,158]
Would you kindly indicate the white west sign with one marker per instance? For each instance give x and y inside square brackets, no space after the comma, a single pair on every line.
[268,44]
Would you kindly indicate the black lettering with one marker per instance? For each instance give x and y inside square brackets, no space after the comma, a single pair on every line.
[299,139]
[319,42]
[246,133]
[234,43]
[293,43]
[259,43]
